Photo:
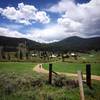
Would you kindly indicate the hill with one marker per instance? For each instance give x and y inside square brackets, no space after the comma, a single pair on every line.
[68,44]
[10,43]
[78,44]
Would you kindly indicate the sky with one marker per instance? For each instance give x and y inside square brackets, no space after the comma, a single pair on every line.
[48,21]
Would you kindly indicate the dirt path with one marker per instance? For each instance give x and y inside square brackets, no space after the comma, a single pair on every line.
[38,68]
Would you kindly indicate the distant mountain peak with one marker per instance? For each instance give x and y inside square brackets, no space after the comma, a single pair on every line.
[74,43]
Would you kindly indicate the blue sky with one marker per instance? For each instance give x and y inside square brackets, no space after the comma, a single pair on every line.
[49,20]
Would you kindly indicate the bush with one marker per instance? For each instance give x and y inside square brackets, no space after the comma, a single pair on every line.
[10,83]
[62,81]
[37,83]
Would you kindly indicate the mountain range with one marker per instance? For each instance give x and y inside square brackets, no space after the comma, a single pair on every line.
[68,44]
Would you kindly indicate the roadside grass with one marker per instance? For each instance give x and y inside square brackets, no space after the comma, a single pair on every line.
[17,87]
[73,67]
[17,67]
[19,82]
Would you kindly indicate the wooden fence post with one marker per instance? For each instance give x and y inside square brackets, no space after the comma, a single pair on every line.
[80,85]
[50,73]
[88,75]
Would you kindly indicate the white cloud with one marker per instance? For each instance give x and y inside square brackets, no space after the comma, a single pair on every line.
[76,20]
[25,14]
[10,33]
[83,19]
[40,17]
[69,24]
[62,6]
[51,33]
[34,34]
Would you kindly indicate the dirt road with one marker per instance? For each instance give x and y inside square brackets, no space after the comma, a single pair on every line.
[39,68]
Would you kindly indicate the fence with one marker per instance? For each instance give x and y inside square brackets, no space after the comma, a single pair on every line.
[88,78]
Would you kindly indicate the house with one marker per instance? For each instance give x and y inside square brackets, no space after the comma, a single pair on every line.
[72,54]
[53,56]
[34,55]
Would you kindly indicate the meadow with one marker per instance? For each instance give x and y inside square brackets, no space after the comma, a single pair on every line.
[17,67]
[70,65]
[74,67]
[18,81]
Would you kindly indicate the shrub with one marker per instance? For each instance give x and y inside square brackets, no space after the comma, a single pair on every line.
[62,81]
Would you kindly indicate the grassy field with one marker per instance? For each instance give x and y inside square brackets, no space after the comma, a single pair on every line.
[17,67]
[74,67]
[91,57]
[19,82]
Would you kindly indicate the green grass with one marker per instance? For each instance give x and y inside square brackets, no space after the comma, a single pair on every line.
[92,57]
[44,92]
[17,67]
[24,74]
[74,67]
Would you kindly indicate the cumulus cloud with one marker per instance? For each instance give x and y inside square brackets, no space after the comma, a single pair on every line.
[25,14]
[10,33]
[76,20]
[48,34]
[34,34]
[83,19]
[62,6]
[51,33]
